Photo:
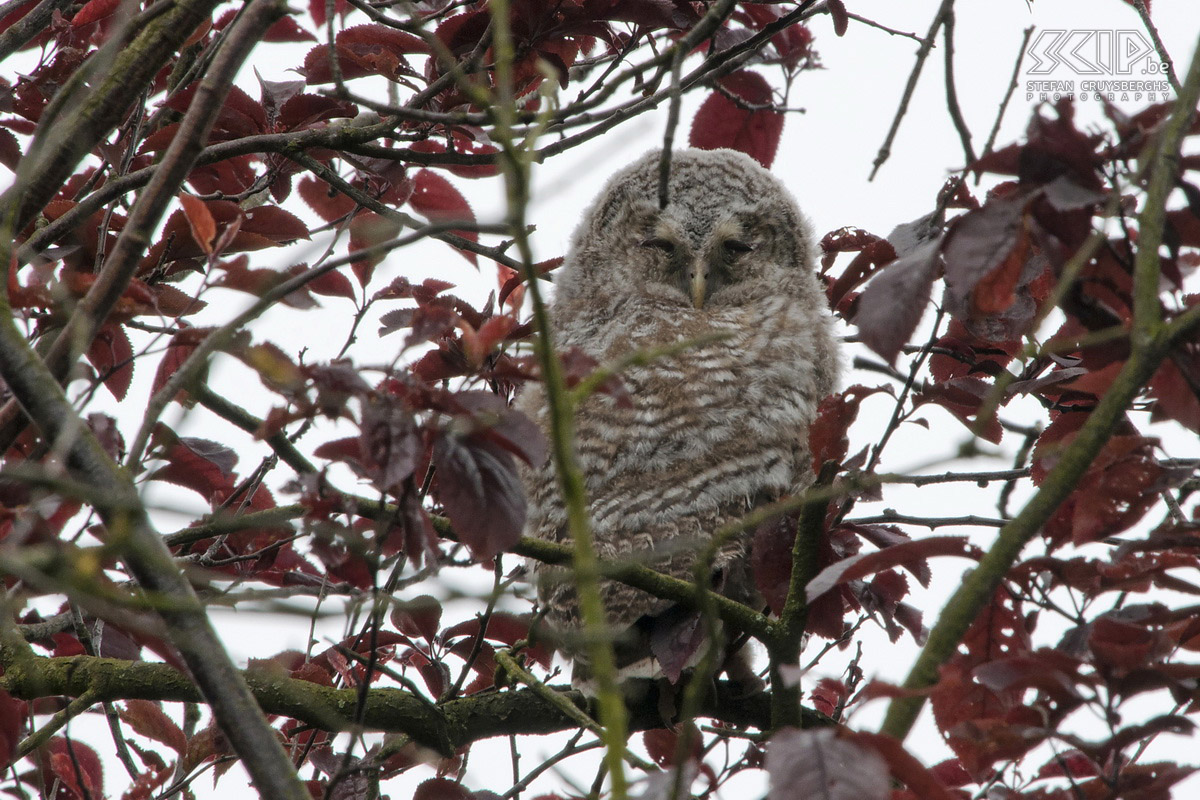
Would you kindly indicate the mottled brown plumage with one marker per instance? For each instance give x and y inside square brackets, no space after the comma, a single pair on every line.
[715,430]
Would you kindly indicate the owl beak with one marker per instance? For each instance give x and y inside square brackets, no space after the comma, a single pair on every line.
[699,287]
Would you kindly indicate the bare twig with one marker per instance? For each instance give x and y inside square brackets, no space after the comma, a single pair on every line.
[1012,87]
[960,124]
[885,149]
[1144,12]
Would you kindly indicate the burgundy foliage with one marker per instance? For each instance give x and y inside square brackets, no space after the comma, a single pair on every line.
[375,461]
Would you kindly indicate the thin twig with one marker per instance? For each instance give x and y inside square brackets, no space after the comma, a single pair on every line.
[1013,82]
[885,149]
[873,24]
[960,124]
[1144,13]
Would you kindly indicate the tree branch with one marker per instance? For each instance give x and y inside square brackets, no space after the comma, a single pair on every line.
[885,150]
[1151,341]
[60,143]
[121,264]
[443,728]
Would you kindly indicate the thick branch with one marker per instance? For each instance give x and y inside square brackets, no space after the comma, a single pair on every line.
[443,728]
[29,26]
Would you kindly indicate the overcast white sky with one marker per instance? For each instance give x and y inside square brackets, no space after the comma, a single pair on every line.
[825,158]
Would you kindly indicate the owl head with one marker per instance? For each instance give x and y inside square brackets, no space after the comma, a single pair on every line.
[730,235]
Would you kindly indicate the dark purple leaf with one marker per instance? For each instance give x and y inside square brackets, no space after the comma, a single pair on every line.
[802,765]
[390,441]
[477,483]
[894,301]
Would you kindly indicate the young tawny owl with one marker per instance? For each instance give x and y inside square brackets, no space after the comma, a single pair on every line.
[716,429]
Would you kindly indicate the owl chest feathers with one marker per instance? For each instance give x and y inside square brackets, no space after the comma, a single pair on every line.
[714,429]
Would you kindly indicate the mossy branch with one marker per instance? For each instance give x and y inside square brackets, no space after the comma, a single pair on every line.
[788,631]
[443,728]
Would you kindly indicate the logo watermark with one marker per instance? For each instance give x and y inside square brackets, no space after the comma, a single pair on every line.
[1124,63]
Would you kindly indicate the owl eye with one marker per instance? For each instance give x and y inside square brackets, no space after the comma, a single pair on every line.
[658,243]
[735,247]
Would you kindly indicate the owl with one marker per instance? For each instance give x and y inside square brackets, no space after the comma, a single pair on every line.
[712,431]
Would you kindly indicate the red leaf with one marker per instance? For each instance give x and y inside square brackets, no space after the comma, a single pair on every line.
[74,766]
[275,224]
[93,11]
[200,221]
[1120,485]
[255,229]
[348,449]
[950,773]
[464,146]
[1052,671]
[1072,763]
[240,115]
[462,32]
[148,719]
[990,263]
[903,766]
[675,641]
[849,569]
[505,426]
[368,229]
[10,150]
[435,198]
[1125,646]
[972,356]
[329,203]
[964,398]
[663,744]
[285,29]
[390,442]
[807,764]
[1058,434]
[893,303]
[771,559]
[304,110]
[112,355]
[370,49]
[316,9]
[12,719]
[724,123]
[373,35]
[441,789]
[201,465]
[182,345]
[872,255]
[827,435]
[883,536]
[505,628]
[827,695]
[332,284]
[477,483]
[418,617]
[984,725]
[1173,395]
